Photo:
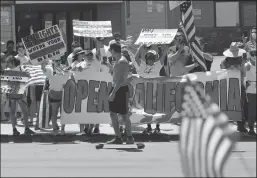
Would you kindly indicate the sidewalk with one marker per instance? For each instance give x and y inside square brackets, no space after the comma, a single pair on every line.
[169,132]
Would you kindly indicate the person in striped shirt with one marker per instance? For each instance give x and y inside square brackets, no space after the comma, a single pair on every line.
[14,65]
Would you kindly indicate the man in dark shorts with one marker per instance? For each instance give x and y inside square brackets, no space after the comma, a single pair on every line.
[119,95]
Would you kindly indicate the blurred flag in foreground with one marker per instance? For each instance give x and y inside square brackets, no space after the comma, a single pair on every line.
[206,137]
[37,76]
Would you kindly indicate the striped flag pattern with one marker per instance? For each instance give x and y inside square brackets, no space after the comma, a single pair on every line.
[37,76]
[188,27]
[206,137]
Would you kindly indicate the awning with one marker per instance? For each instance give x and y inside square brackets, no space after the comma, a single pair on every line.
[66,2]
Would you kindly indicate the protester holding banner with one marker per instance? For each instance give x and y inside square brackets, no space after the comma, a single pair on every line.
[234,61]
[21,56]
[13,64]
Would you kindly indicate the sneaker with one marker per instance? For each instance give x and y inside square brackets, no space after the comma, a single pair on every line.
[130,140]
[252,133]
[15,132]
[116,140]
[157,130]
[148,130]
[96,131]
[28,131]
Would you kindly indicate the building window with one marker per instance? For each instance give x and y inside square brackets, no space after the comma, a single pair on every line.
[227,14]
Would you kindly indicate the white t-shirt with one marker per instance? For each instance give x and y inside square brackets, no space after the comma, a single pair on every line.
[69,59]
[104,52]
[147,71]
[251,77]
[22,59]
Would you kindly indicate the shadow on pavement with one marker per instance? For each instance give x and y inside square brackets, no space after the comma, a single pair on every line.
[124,149]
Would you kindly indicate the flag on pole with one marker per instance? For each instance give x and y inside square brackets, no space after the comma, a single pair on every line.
[188,27]
[206,137]
[174,4]
[37,76]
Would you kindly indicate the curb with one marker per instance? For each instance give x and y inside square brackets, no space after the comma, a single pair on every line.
[47,138]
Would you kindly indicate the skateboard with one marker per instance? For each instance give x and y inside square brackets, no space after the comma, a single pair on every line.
[139,146]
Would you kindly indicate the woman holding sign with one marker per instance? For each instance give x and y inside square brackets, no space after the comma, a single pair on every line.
[13,64]
[149,64]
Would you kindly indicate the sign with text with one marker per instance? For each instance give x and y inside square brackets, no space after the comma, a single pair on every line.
[92,28]
[14,82]
[85,99]
[45,44]
[156,36]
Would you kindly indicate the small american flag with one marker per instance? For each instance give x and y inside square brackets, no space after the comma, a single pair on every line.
[188,27]
[206,137]
[37,76]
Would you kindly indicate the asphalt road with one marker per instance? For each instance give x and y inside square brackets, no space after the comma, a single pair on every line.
[83,160]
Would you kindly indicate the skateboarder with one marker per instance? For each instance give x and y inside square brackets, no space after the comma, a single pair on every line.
[119,95]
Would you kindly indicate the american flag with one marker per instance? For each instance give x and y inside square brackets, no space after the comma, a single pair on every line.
[206,137]
[37,76]
[188,27]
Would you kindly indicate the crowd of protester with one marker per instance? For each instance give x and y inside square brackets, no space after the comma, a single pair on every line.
[150,61]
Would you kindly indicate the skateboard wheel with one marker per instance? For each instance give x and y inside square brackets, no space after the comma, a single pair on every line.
[140,146]
[99,146]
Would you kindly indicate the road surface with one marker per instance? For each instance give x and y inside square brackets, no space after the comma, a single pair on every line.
[83,160]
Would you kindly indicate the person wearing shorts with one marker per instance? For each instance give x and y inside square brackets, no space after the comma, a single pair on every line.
[119,95]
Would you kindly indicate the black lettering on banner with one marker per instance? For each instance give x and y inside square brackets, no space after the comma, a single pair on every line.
[140,94]
[69,96]
[103,94]
[223,95]
[82,93]
[212,89]
[159,97]
[234,98]
[169,96]
[148,30]
[92,96]
[178,95]
[150,106]
[200,84]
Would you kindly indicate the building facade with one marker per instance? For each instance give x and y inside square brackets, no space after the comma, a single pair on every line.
[219,22]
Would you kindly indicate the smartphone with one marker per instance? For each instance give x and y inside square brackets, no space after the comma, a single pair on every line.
[245,33]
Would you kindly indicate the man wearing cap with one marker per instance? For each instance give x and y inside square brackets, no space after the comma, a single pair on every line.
[118,98]
[234,61]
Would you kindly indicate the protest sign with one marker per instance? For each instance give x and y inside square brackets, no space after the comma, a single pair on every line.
[14,82]
[92,28]
[85,100]
[156,36]
[45,44]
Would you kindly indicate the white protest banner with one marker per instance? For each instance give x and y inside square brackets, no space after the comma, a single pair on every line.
[156,36]
[174,4]
[45,44]
[92,29]
[85,100]
[14,82]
